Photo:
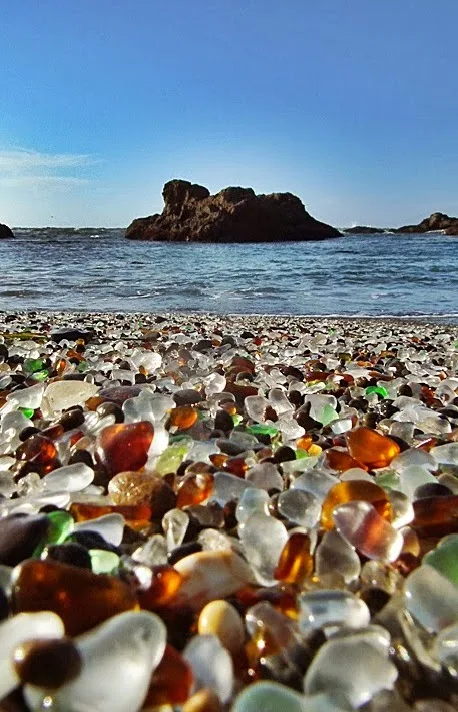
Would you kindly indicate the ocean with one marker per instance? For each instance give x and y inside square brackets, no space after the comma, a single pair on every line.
[97,269]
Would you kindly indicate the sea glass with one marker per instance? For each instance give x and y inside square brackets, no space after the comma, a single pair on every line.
[123,446]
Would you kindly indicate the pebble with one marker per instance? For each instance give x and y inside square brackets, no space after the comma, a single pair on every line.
[277,497]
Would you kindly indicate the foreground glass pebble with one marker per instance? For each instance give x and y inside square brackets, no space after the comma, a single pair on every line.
[319,609]
[18,629]
[118,658]
[444,558]
[263,538]
[47,663]
[64,394]
[211,665]
[353,671]
[335,555]
[274,697]
[364,528]
[371,448]
[431,598]
[354,490]
[123,447]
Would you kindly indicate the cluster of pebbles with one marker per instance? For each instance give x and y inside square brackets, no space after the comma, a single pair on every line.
[201,514]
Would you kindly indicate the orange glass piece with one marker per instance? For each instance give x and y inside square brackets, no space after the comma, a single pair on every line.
[183,417]
[136,515]
[371,448]
[296,562]
[282,597]
[81,598]
[354,490]
[194,489]
[165,584]
[304,442]
[340,460]
[53,432]
[124,446]
[218,459]
[171,682]
[436,516]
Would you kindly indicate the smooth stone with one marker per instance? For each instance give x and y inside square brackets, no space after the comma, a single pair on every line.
[118,658]
[221,619]
[20,534]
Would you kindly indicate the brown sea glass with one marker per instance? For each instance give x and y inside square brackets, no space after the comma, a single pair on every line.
[47,662]
[136,515]
[354,490]
[137,488]
[81,598]
[39,451]
[194,489]
[296,562]
[165,584]
[435,516]
[183,417]
[123,446]
[371,448]
[171,682]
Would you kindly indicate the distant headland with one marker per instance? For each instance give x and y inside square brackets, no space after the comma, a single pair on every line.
[191,214]
[5,231]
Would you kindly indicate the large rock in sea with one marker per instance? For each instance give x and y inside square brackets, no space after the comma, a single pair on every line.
[191,214]
[364,230]
[435,222]
[5,231]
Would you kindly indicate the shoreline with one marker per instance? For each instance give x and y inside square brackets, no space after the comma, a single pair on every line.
[255,319]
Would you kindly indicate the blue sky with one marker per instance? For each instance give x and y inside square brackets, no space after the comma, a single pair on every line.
[350,104]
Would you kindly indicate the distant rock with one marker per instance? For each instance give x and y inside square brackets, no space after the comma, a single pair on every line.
[191,214]
[5,231]
[435,222]
[364,230]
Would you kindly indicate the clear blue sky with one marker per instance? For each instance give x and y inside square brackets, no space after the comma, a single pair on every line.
[350,104]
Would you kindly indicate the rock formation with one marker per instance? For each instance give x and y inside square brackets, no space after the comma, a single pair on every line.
[436,221]
[191,214]
[363,230]
[5,231]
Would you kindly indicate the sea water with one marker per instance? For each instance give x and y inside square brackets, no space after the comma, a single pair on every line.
[99,270]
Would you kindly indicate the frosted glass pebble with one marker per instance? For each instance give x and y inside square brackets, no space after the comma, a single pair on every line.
[255,407]
[265,476]
[316,482]
[354,670]
[227,487]
[319,609]
[300,507]
[412,477]
[153,552]
[109,526]
[431,598]
[211,665]
[445,648]
[118,658]
[402,511]
[334,555]
[72,478]
[64,394]
[414,456]
[263,538]
[149,406]
[269,696]
[18,629]
[289,427]
[251,500]
[446,454]
[174,523]
[103,562]
[30,397]
[367,531]
[355,473]
[279,401]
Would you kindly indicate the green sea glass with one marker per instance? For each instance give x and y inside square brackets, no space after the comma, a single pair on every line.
[444,558]
[380,390]
[103,562]
[60,527]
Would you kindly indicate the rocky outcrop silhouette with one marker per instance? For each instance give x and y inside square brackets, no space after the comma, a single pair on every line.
[436,221]
[191,214]
[5,231]
[363,230]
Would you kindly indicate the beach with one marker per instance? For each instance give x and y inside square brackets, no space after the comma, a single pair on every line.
[255,508]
